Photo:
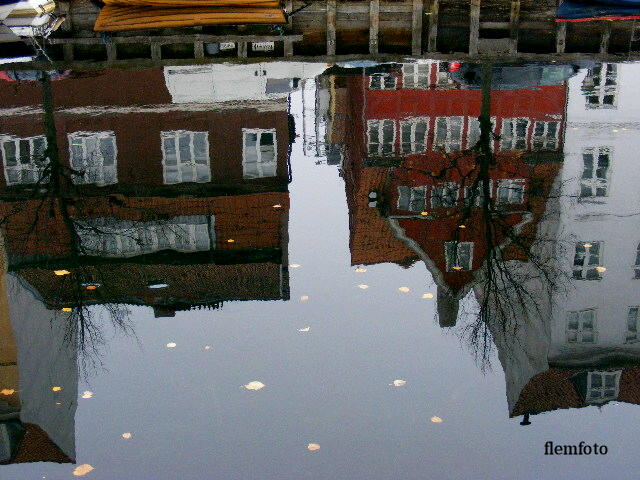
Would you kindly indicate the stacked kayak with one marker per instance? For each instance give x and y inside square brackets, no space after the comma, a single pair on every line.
[119,15]
[588,10]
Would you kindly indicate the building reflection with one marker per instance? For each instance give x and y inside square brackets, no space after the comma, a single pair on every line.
[168,198]
[520,212]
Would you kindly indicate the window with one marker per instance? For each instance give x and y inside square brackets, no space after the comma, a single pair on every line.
[600,86]
[594,181]
[381,137]
[383,81]
[23,159]
[445,195]
[416,75]
[414,135]
[459,256]
[444,76]
[581,326]
[545,136]
[586,262]
[185,157]
[511,191]
[110,237]
[602,386]
[448,134]
[259,153]
[411,198]
[632,325]
[514,134]
[93,157]
[476,196]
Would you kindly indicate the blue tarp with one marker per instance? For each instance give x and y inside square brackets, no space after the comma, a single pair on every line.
[583,10]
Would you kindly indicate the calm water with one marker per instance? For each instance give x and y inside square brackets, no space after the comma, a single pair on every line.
[294,270]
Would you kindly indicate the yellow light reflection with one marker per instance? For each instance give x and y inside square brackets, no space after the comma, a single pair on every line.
[56,389]
[435,419]
[7,391]
[126,435]
[399,383]
[404,289]
[361,270]
[457,268]
[305,329]
[255,385]
[61,272]
[87,394]
[83,469]
[601,269]
[312,447]
[363,286]
[304,298]
[171,345]
[424,214]
[427,295]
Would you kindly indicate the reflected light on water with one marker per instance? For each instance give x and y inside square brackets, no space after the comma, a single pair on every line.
[312,447]
[82,470]
[399,383]
[435,419]
[254,385]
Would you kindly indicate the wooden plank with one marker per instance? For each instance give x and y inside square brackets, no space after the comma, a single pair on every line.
[331,27]
[514,20]
[198,50]
[416,27]
[288,48]
[243,48]
[162,40]
[374,19]
[561,37]
[604,39]
[318,8]
[156,51]
[474,27]
[432,38]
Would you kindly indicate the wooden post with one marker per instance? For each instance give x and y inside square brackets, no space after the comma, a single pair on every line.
[416,27]
[514,21]
[374,20]
[604,39]
[112,52]
[474,27]
[243,47]
[288,48]
[331,27]
[67,52]
[289,9]
[64,10]
[156,51]
[432,38]
[198,50]
[561,36]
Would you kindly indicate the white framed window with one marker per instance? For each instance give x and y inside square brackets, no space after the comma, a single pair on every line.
[445,195]
[632,325]
[510,191]
[514,134]
[412,199]
[416,75]
[259,153]
[382,81]
[448,134]
[458,256]
[587,261]
[381,137]
[545,135]
[23,159]
[475,197]
[603,386]
[111,237]
[636,268]
[600,86]
[413,133]
[594,181]
[94,157]
[185,157]
[581,326]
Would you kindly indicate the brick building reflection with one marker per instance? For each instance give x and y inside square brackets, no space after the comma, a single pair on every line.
[166,204]
[413,183]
